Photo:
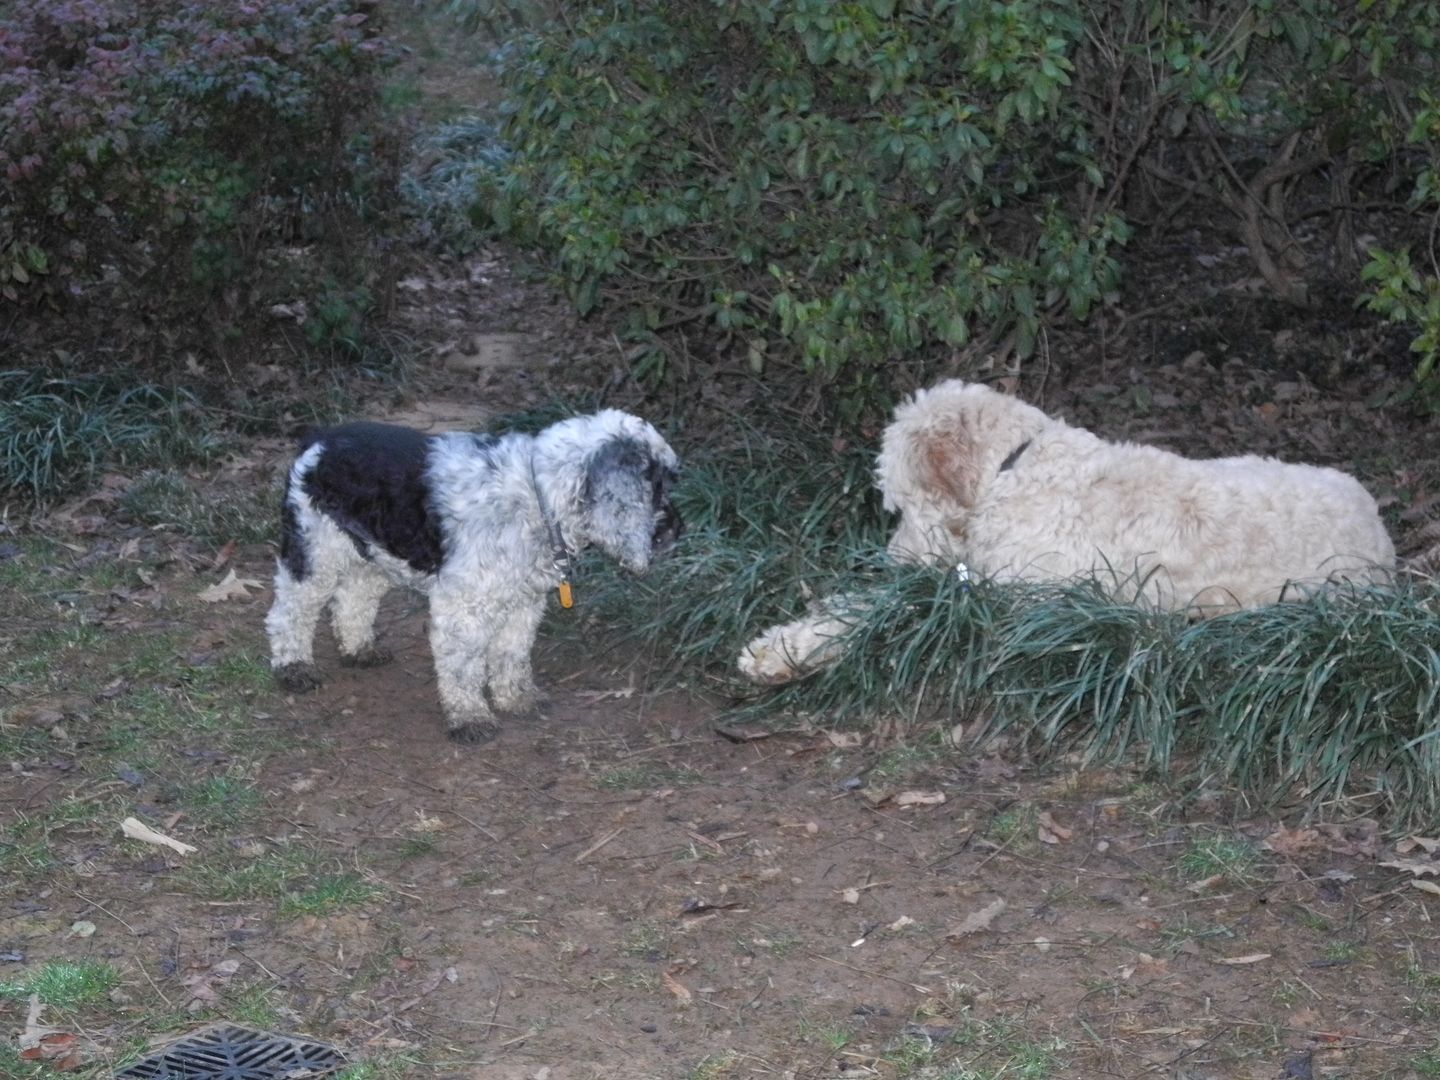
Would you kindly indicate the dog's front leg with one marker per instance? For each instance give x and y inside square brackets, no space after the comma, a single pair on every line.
[461,630]
[512,680]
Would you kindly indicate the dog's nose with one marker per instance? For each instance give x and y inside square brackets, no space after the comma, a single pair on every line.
[668,530]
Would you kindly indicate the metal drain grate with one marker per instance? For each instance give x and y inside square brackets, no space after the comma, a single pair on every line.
[232,1052]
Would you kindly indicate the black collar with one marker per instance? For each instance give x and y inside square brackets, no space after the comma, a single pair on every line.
[1013,456]
[558,550]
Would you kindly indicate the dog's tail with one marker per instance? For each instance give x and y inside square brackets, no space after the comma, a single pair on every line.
[307,437]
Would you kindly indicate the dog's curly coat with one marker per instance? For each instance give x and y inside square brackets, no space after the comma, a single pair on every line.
[982,479]
[481,524]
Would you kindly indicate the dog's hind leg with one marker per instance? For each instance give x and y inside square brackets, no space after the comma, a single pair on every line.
[512,680]
[352,616]
[460,633]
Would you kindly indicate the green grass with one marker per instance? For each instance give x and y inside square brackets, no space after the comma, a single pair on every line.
[13,1068]
[644,777]
[1427,1064]
[1231,857]
[64,984]
[298,879]
[166,499]
[220,801]
[328,894]
[57,431]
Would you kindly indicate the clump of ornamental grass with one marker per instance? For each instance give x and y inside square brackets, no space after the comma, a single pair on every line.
[58,432]
[1332,698]
[1336,697]
[763,530]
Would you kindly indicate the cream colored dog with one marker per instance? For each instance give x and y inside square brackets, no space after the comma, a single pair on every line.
[986,482]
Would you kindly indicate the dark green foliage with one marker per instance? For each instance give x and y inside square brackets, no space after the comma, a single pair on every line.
[159,153]
[831,188]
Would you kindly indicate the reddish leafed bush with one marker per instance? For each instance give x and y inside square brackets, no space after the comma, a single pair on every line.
[163,149]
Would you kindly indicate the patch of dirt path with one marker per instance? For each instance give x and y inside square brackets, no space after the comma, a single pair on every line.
[615,889]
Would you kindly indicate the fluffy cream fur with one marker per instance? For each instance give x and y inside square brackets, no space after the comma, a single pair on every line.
[982,479]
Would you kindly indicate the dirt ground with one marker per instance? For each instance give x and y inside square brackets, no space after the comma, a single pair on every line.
[616,889]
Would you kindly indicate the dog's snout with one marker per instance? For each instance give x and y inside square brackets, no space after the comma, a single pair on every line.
[668,530]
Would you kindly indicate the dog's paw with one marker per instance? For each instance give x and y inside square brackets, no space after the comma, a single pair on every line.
[764,663]
[519,703]
[369,656]
[299,678]
[473,731]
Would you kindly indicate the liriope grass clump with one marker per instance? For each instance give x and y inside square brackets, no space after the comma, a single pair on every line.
[1338,696]
[766,529]
[1335,697]
[58,431]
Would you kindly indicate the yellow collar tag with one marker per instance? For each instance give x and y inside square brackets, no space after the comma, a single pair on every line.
[567,595]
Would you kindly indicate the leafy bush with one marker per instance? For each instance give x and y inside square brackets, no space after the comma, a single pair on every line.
[1401,294]
[156,151]
[828,187]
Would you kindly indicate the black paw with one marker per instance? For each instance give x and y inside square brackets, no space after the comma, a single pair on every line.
[369,656]
[477,731]
[299,678]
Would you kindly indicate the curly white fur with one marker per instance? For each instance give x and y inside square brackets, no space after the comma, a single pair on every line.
[983,479]
[604,481]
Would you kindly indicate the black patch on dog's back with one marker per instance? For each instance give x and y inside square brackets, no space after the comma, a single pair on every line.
[370,480]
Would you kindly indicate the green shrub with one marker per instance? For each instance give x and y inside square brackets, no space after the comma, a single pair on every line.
[829,188]
[156,152]
[1400,293]
[826,185]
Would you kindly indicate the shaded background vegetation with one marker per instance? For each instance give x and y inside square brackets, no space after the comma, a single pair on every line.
[865,191]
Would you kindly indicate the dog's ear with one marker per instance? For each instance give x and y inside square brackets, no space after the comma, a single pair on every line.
[946,459]
[614,457]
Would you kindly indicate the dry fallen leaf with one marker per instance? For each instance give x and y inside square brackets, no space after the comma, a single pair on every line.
[919,798]
[58,1050]
[682,994]
[1358,837]
[843,740]
[1250,958]
[900,923]
[978,920]
[1205,883]
[201,984]
[1414,866]
[1427,886]
[229,587]
[1052,832]
[1425,843]
[138,830]
[850,896]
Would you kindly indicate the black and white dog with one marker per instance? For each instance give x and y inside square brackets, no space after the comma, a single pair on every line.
[484,525]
